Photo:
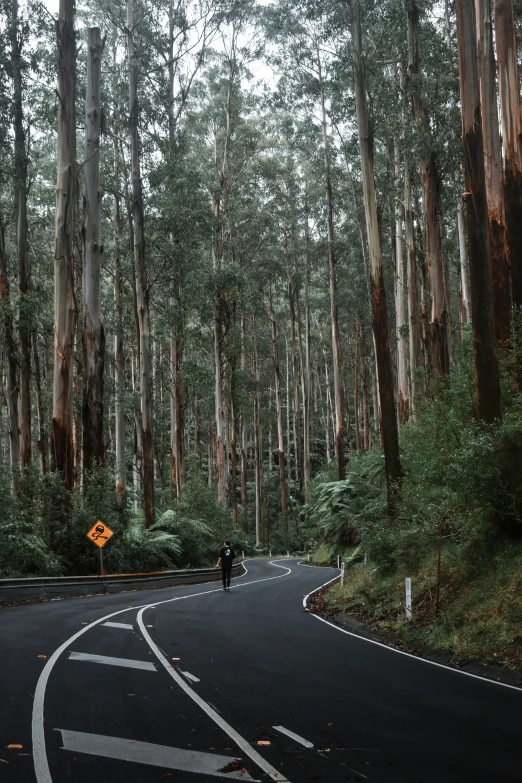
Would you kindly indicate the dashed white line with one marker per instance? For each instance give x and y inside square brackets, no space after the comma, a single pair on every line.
[151,754]
[296,737]
[234,735]
[119,625]
[190,676]
[126,663]
[40,760]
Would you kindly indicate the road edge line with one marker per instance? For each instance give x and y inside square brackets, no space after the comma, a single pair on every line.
[394,649]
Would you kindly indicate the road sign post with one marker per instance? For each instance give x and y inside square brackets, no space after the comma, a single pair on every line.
[99,535]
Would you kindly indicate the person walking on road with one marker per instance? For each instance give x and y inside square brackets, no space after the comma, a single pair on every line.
[225,560]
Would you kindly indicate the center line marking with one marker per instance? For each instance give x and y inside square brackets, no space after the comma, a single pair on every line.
[119,625]
[293,736]
[152,754]
[107,659]
[190,676]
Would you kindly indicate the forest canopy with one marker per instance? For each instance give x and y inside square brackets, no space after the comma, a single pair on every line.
[260,278]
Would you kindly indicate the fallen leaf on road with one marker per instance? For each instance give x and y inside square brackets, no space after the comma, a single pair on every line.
[42,656]
[131,694]
[263,742]
[330,724]
[234,766]
[15,747]
[176,659]
[150,626]
[85,623]
[4,761]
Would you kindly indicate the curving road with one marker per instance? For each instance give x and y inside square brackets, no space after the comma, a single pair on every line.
[203,685]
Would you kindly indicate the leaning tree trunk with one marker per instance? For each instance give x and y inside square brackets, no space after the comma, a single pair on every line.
[484,341]
[430,184]
[390,435]
[24,310]
[142,283]
[65,310]
[509,88]
[336,351]
[279,412]
[93,326]
[493,167]
[10,359]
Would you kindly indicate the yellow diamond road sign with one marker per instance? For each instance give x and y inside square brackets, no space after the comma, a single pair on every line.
[100,534]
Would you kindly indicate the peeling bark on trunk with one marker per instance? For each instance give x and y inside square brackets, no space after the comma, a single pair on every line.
[509,88]
[119,356]
[233,446]
[244,493]
[295,376]
[336,351]
[258,445]
[93,325]
[403,389]
[279,413]
[24,310]
[493,167]
[465,304]
[40,410]
[484,341]
[307,369]
[430,183]
[413,295]
[65,309]
[380,316]
[356,388]
[10,359]
[142,284]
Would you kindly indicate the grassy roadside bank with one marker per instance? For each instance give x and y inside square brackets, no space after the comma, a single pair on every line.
[479,616]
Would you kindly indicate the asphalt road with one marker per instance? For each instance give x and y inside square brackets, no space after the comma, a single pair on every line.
[201,677]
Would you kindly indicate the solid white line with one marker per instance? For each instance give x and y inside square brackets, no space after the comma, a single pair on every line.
[150,753]
[119,625]
[226,727]
[190,676]
[41,763]
[401,652]
[293,736]
[126,663]
[305,599]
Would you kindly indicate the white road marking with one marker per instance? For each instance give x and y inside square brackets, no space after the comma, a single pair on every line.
[401,652]
[120,625]
[149,753]
[293,736]
[127,663]
[359,773]
[40,760]
[240,741]
[190,676]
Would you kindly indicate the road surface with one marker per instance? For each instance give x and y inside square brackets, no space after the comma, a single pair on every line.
[203,685]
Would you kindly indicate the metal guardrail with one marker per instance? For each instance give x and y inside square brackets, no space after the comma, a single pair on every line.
[31,588]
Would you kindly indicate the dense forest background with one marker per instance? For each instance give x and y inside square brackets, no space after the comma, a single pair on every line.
[284,245]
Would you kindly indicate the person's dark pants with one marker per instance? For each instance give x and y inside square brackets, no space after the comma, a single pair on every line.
[226,573]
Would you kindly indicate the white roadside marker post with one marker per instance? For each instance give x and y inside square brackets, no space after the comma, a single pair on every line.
[408,598]
[270,553]
[308,557]
[287,553]
[342,574]
[242,555]
[338,563]
[365,558]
